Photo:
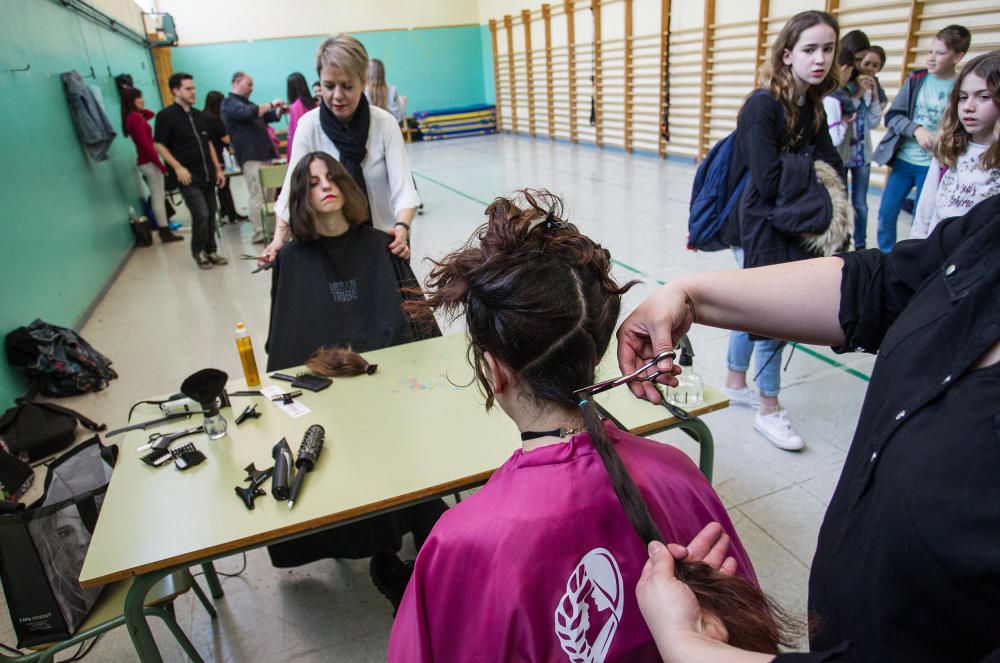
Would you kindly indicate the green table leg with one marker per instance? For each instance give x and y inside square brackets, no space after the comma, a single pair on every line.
[135,618]
[212,579]
[699,432]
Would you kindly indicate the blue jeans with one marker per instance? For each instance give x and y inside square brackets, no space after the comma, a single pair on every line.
[768,355]
[859,199]
[904,176]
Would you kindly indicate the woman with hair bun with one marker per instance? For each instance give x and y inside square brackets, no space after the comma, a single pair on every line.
[539,565]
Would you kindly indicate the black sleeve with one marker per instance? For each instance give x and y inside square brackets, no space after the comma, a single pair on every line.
[761,125]
[216,127]
[842,653]
[876,287]
[161,129]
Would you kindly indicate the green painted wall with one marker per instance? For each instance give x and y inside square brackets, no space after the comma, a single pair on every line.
[64,216]
[433,67]
[489,82]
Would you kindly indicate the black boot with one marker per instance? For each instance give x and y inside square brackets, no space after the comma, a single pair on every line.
[167,236]
[390,575]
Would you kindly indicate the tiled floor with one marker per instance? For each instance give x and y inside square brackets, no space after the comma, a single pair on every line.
[163,318]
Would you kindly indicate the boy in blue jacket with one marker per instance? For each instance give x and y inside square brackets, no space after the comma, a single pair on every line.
[912,123]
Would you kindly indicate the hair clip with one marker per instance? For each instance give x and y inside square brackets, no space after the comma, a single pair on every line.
[549,223]
[637,376]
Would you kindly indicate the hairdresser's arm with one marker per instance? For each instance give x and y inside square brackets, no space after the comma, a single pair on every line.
[675,619]
[796,301]
[402,191]
[400,244]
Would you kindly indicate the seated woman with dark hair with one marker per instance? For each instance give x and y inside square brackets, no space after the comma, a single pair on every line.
[539,565]
[337,284]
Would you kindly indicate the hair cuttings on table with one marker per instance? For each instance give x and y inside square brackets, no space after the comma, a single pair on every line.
[339,363]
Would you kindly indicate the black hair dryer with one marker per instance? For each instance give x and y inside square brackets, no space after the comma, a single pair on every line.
[205,387]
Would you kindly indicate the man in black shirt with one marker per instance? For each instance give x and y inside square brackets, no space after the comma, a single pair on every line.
[182,138]
[246,123]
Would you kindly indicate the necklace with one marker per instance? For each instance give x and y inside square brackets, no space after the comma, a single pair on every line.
[557,432]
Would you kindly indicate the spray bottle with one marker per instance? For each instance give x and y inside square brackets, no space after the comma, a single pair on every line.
[690,387]
[245,347]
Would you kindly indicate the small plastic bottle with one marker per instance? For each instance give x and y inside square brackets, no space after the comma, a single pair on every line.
[245,348]
[690,387]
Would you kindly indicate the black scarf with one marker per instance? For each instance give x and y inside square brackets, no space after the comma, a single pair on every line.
[351,139]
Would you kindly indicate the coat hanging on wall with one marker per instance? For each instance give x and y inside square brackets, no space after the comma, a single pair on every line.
[92,124]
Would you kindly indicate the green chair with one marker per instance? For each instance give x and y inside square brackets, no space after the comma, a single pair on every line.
[271,179]
[108,614]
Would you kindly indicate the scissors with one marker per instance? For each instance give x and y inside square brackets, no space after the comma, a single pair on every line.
[163,440]
[267,265]
[636,376]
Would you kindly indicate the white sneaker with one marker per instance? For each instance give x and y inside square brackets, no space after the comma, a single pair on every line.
[745,396]
[775,427]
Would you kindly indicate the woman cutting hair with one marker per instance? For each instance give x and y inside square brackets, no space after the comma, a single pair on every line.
[364,138]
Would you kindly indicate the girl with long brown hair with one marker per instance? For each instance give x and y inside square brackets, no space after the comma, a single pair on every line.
[334,254]
[135,125]
[784,115]
[966,165]
[336,284]
[540,563]
[380,93]
[300,102]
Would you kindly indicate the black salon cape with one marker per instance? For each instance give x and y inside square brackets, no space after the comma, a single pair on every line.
[336,291]
[340,291]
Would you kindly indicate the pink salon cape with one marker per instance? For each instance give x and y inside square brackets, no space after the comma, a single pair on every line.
[542,563]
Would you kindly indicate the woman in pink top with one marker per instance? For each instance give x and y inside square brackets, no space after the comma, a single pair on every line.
[541,564]
[135,125]
[300,102]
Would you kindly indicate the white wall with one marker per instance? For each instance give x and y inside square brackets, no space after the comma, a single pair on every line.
[126,12]
[201,22]
[498,8]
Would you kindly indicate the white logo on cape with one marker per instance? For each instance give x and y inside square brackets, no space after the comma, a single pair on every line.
[595,579]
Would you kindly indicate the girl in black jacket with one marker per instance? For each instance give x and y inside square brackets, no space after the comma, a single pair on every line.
[785,115]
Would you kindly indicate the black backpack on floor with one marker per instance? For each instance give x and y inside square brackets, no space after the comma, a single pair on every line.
[41,429]
[56,361]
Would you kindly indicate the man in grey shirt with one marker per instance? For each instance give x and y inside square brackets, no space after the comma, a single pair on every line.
[246,123]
